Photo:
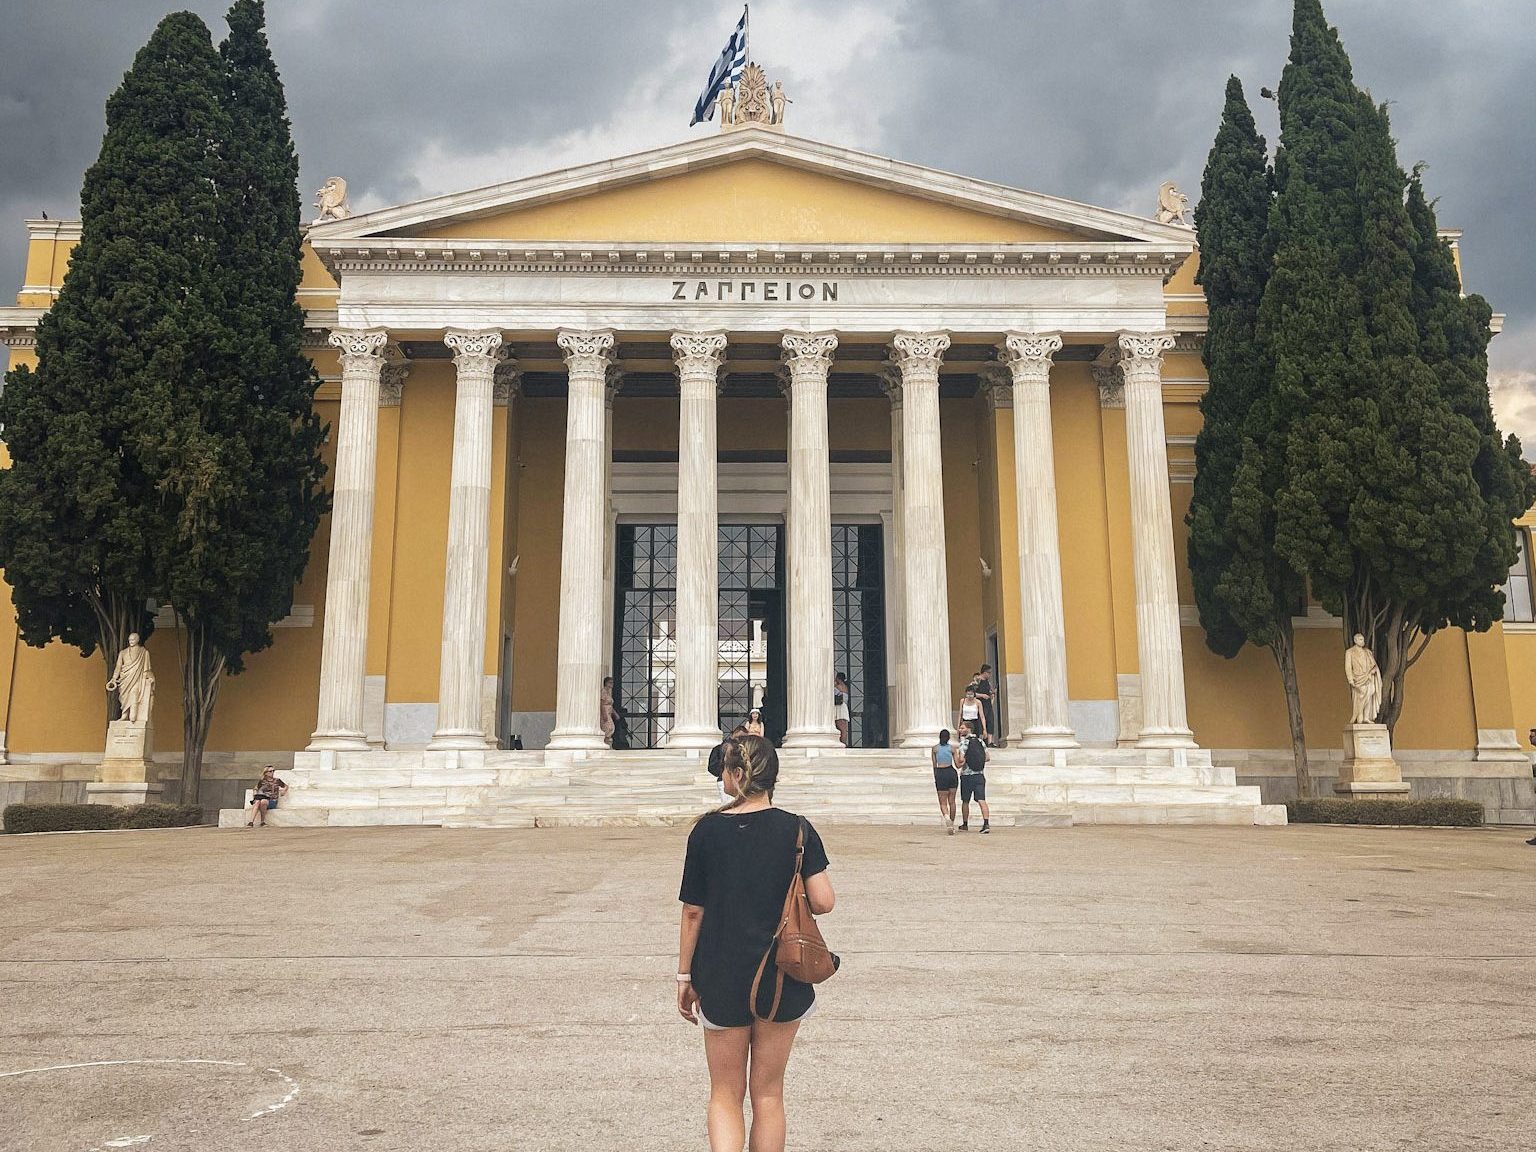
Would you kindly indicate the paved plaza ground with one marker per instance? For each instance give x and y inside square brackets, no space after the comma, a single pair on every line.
[1087,988]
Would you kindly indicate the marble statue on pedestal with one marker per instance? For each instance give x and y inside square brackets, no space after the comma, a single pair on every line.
[133,679]
[1364,682]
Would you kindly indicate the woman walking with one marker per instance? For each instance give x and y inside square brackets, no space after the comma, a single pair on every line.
[945,778]
[741,859]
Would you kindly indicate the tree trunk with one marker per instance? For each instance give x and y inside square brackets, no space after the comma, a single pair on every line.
[202,669]
[1284,649]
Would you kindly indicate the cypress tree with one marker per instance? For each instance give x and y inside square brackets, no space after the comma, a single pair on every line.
[1245,590]
[248,469]
[1379,503]
[82,520]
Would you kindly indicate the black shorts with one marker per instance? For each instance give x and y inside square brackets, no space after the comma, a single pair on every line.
[973,786]
[946,779]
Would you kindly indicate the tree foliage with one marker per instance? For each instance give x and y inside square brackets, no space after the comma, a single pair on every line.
[82,515]
[1380,502]
[1246,592]
[245,443]
[166,446]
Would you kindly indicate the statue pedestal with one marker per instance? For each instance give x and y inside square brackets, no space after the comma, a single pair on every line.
[1368,768]
[127,773]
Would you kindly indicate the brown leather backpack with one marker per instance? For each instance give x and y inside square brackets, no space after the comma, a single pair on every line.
[801,953]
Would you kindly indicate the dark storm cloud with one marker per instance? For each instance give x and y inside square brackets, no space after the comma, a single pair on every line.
[1098,100]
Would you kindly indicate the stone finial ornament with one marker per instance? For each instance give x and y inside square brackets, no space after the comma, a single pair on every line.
[331,199]
[1172,205]
[752,102]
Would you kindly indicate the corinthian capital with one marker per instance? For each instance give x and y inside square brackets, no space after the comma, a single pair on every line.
[809,351]
[1142,352]
[595,348]
[392,382]
[359,346]
[505,382]
[474,347]
[698,352]
[1028,355]
[919,350]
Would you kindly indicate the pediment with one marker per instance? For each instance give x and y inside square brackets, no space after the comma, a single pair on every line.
[755,187]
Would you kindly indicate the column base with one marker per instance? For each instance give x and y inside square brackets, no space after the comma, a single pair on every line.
[337,742]
[463,739]
[1166,738]
[693,738]
[1044,738]
[576,738]
[811,738]
[920,738]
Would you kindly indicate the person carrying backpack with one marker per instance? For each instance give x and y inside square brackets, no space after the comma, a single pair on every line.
[973,779]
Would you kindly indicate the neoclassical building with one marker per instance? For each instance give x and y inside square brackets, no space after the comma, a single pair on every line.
[719,420]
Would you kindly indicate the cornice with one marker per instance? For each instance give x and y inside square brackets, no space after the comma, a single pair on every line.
[694,260]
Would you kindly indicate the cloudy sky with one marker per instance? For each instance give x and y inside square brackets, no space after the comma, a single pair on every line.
[1096,100]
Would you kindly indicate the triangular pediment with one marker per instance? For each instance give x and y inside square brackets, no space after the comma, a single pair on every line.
[757,187]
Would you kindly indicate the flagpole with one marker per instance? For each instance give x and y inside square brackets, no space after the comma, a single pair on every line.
[746,32]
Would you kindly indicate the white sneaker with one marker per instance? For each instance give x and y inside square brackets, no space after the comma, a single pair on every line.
[951,824]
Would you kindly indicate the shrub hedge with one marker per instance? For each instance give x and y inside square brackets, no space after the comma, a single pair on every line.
[1331,810]
[95,817]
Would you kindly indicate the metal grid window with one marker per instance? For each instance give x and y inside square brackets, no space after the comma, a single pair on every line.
[1518,607]
[858,625]
[751,561]
[645,637]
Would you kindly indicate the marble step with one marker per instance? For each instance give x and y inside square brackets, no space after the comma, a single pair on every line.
[516,816]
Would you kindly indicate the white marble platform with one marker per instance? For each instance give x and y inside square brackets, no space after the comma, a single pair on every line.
[472,788]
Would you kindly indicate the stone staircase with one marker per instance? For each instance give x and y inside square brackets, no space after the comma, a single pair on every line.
[853,786]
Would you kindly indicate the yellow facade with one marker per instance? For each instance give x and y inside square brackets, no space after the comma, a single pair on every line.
[53,701]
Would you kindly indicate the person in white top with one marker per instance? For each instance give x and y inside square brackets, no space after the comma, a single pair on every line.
[840,711]
[973,715]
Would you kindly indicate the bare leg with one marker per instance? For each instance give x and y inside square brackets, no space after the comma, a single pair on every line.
[986,813]
[943,806]
[261,814]
[726,1051]
[842,732]
[770,1055]
[965,812]
[949,803]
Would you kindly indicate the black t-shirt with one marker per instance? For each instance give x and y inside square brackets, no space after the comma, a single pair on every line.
[738,869]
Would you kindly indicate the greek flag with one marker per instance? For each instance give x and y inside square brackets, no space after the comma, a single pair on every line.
[727,70]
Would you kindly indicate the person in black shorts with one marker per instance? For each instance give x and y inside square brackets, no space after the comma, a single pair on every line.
[945,778]
[741,859]
[973,779]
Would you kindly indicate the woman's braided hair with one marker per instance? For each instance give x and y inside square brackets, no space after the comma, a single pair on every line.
[758,763]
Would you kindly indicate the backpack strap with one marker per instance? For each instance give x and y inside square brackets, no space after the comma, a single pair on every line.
[762,965]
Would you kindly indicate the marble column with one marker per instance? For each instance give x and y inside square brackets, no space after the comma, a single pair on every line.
[579,675]
[459,718]
[1047,723]
[344,642]
[1159,644]
[927,702]
[696,704]
[808,356]
[895,599]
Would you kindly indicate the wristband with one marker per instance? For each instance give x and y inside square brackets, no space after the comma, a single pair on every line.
[684,978]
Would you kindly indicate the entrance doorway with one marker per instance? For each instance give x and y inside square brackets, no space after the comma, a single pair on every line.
[753,642]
